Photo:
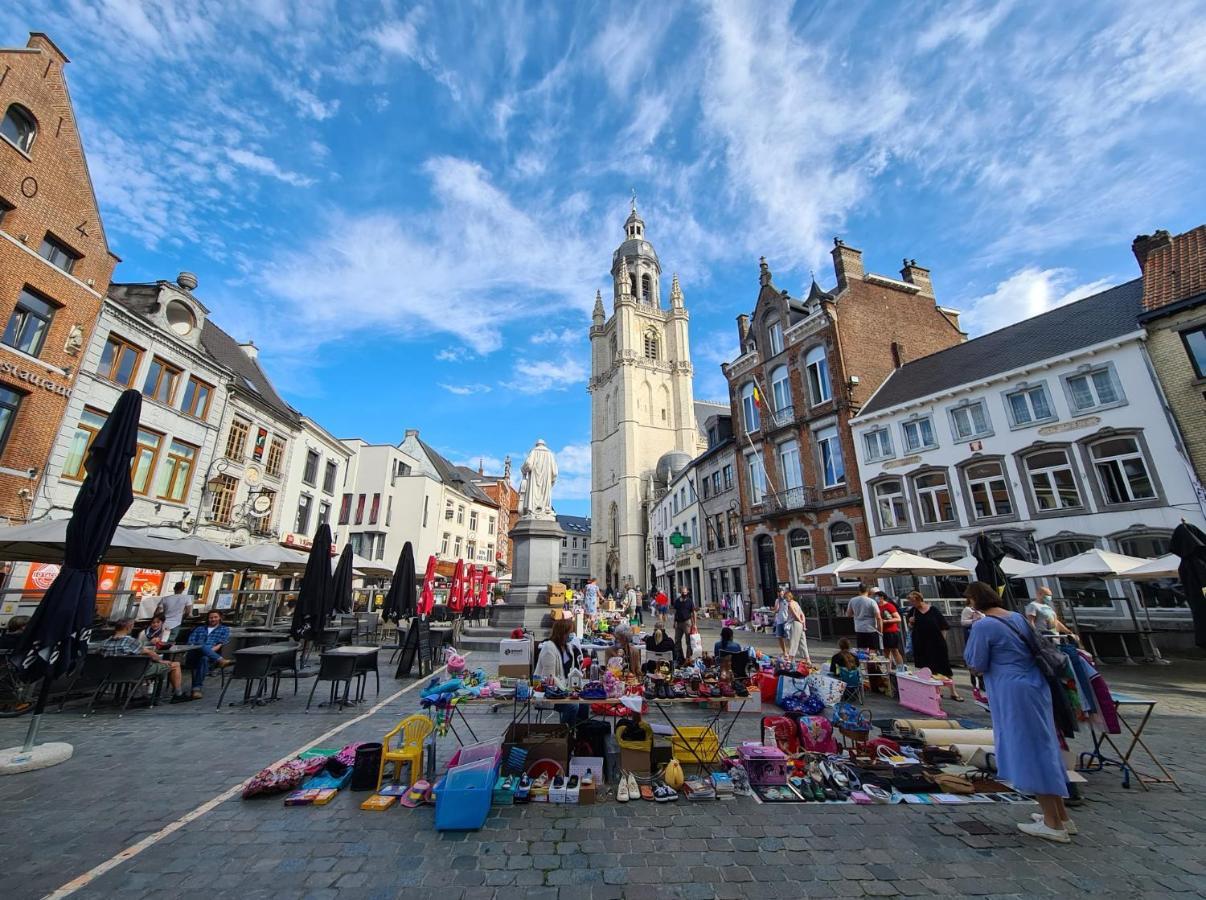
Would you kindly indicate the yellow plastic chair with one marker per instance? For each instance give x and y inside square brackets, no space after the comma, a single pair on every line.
[414,731]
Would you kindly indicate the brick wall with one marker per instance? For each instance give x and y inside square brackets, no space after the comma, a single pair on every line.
[49,190]
[1186,392]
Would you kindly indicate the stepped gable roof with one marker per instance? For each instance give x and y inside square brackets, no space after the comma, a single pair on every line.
[1066,329]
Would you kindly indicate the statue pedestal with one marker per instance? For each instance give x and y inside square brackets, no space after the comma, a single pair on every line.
[537,559]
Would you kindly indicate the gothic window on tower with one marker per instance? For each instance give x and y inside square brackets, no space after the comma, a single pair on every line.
[612,346]
[651,349]
[615,526]
[646,289]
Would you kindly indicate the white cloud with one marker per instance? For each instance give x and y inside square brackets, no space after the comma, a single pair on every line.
[306,102]
[573,468]
[558,336]
[1024,294]
[536,376]
[477,261]
[464,390]
[257,162]
[453,354]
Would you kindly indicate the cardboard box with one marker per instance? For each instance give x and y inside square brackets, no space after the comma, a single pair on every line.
[634,760]
[580,764]
[542,741]
[515,658]
[587,794]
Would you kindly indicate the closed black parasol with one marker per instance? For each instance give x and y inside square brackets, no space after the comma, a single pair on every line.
[314,599]
[56,638]
[1189,543]
[400,599]
[341,582]
[989,554]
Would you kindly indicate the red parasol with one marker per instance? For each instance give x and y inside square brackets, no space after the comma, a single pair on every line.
[470,585]
[427,597]
[487,581]
[456,594]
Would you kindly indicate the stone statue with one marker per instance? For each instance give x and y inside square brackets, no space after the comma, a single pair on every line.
[75,340]
[539,473]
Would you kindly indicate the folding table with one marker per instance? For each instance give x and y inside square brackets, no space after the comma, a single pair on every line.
[1095,760]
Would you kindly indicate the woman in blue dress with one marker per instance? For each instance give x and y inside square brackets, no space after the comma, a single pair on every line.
[1023,725]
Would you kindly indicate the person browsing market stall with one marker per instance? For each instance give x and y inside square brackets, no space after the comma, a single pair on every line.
[890,619]
[625,649]
[557,658]
[867,620]
[1002,647]
[684,622]
[929,627]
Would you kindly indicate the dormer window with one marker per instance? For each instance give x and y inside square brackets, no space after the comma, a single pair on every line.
[19,127]
[180,318]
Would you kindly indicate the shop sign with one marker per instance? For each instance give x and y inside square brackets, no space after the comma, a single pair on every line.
[146,581]
[298,541]
[12,370]
[1086,422]
[41,576]
[107,578]
[261,438]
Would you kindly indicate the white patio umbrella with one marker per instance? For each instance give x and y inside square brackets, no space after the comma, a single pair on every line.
[44,541]
[362,566]
[1102,564]
[834,568]
[278,559]
[1013,568]
[901,562]
[1166,566]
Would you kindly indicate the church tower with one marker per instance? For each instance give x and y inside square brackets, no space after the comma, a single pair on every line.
[641,405]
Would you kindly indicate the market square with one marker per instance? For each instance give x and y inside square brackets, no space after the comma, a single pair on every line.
[464,450]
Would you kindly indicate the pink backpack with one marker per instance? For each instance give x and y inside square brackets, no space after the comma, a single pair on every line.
[816,735]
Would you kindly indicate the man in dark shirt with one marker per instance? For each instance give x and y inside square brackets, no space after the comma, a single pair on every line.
[684,622]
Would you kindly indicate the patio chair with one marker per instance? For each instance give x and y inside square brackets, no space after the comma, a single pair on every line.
[251,668]
[414,731]
[337,670]
[122,673]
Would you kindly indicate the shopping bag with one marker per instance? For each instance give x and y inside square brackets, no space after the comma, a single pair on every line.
[790,685]
[696,644]
[829,690]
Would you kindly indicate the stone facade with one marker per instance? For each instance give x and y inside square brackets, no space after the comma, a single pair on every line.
[574,568]
[501,489]
[46,201]
[316,476]
[720,508]
[641,405]
[1174,303]
[806,367]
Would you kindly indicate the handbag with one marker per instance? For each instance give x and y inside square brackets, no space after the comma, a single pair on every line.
[1050,660]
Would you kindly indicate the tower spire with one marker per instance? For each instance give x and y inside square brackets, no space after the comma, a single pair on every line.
[599,314]
[676,293]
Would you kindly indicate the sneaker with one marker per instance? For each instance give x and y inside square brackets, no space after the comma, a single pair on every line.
[571,789]
[182,698]
[1040,830]
[1069,825]
[195,695]
[663,793]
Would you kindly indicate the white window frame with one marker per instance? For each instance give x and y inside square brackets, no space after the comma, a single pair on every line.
[967,409]
[877,444]
[899,522]
[986,482]
[1046,473]
[788,454]
[906,444]
[781,390]
[1091,374]
[927,498]
[1026,391]
[829,440]
[816,373]
[774,337]
[757,477]
[751,417]
[1117,462]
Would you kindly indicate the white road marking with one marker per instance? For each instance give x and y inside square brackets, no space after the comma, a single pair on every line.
[152,839]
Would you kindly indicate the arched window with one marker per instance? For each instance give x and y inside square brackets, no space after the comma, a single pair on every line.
[781,391]
[646,289]
[817,368]
[632,284]
[841,541]
[749,407]
[19,126]
[651,348]
[800,555]
[774,338]
[611,346]
[614,516]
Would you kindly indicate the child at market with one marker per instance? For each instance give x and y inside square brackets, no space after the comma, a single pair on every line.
[844,666]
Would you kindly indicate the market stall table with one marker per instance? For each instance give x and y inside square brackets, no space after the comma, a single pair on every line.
[1096,760]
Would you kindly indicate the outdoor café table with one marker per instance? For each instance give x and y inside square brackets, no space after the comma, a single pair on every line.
[281,655]
[1095,760]
[366,661]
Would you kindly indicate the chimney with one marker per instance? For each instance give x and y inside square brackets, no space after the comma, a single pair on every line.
[187,280]
[743,332]
[898,355]
[764,272]
[412,433]
[252,351]
[915,274]
[847,263]
[1144,244]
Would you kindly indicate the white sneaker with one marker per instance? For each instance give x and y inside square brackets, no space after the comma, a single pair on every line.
[1069,825]
[1040,830]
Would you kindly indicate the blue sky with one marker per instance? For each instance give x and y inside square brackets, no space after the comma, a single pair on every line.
[410,206]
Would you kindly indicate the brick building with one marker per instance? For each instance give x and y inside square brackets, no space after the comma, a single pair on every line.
[806,367]
[501,490]
[55,264]
[1174,314]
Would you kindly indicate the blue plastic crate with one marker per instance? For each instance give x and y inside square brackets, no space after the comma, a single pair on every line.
[463,801]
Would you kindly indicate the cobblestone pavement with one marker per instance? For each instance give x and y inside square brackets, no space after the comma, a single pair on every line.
[133,776]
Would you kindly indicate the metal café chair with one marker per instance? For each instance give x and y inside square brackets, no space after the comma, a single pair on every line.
[122,672]
[337,670]
[365,664]
[252,668]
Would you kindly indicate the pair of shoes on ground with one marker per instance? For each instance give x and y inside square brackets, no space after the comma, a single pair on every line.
[629,788]
[1039,828]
